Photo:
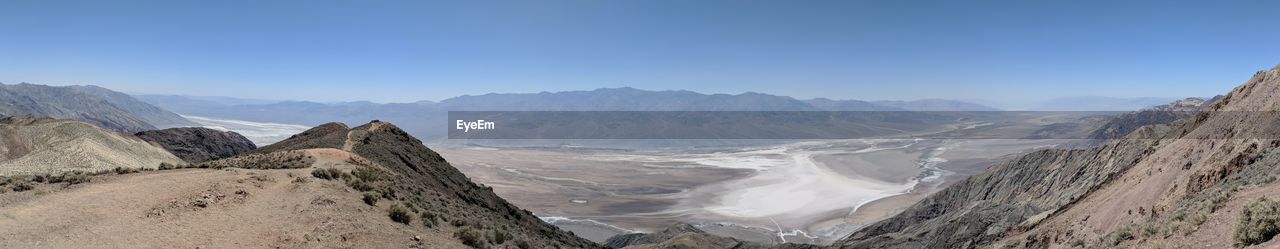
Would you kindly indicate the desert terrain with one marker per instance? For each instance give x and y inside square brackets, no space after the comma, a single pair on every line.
[770,194]
[208,208]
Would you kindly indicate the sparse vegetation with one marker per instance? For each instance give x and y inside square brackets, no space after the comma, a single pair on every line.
[430,219]
[499,236]
[20,186]
[327,174]
[1118,236]
[458,222]
[274,160]
[471,237]
[28,182]
[523,244]
[123,170]
[367,174]
[71,178]
[359,185]
[371,198]
[1077,243]
[1149,229]
[1259,221]
[167,166]
[399,214]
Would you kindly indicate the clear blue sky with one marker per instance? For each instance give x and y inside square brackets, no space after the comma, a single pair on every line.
[429,50]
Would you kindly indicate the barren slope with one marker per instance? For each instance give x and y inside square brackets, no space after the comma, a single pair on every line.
[208,208]
[31,145]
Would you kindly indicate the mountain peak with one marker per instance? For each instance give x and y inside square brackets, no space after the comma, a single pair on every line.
[1260,93]
[426,179]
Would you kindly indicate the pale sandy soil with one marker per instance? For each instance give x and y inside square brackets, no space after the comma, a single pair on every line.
[204,208]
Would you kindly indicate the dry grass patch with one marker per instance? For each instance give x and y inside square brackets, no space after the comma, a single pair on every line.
[399,214]
[1259,221]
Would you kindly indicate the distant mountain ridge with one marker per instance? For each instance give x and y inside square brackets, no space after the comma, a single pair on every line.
[421,118]
[91,104]
[603,99]
[1099,103]
[936,105]
[1124,124]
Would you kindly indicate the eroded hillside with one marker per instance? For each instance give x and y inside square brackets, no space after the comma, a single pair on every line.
[30,145]
[1180,184]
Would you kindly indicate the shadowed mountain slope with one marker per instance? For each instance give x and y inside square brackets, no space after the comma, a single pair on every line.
[197,144]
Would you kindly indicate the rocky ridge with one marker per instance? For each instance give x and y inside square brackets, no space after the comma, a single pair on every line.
[429,187]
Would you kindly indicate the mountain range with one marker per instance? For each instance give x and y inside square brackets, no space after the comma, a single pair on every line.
[422,118]
[1201,179]
[95,105]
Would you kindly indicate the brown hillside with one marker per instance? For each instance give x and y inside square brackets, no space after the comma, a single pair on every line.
[1182,184]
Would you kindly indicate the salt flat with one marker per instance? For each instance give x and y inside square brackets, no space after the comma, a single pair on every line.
[260,133]
[808,191]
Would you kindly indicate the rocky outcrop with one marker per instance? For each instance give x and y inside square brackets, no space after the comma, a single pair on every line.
[1123,124]
[624,240]
[197,144]
[679,235]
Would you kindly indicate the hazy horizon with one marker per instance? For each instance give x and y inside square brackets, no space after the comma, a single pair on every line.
[1008,105]
[335,51]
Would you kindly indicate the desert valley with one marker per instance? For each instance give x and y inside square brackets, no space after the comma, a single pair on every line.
[557,124]
[774,193]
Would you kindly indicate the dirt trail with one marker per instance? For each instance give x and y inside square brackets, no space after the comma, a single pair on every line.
[204,208]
